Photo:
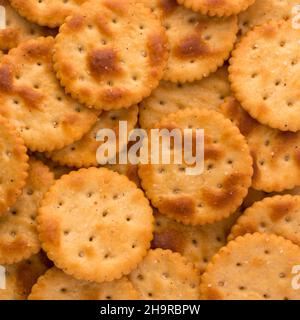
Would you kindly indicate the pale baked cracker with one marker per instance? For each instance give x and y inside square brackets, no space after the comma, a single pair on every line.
[82,153]
[217,7]
[56,285]
[165,275]
[95,224]
[219,190]
[18,234]
[279,215]
[13,165]
[196,243]
[276,154]
[264,10]
[32,99]
[18,29]
[264,71]
[119,52]
[254,267]
[198,44]
[169,97]
[51,13]
[20,277]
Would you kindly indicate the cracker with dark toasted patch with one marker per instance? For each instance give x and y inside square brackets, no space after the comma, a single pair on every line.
[20,277]
[51,13]
[198,44]
[18,29]
[169,97]
[95,224]
[273,151]
[196,243]
[209,196]
[82,153]
[165,275]
[18,234]
[279,215]
[264,71]
[56,285]
[254,267]
[32,99]
[13,165]
[217,7]
[119,51]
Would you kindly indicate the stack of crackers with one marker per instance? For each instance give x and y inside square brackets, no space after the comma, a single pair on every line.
[72,229]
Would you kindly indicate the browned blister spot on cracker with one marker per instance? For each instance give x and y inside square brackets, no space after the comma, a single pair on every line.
[50,228]
[17,245]
[38,50]
[113,94]
[191,47]
[156,48]
[6,78]
[103,62]
[168,239]
[32,98]
[227,193]
[212,152]
[76,22]
[213,294]
[168,6]
[256,171]
[280,209]
[182,205]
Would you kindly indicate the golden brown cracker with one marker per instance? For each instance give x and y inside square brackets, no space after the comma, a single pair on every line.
[56,285]
[32,99]
[119,52]
[51,13]
[279,215]
[82,153]
[18,29]
[254,267]
[219,190]
[165,275]
[95,224]
[275,153]
[263,73]
[198,44]
[18,234]
[13,165]
[217,7]
[169,97]
[197,244]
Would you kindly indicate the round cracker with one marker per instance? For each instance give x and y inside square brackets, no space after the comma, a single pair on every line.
[279,215]
[82,153]
[18,234]
[92,230]
[169,97]
[56,285]
[219,190]
[119,52]
[51,13]
[18,29]
[32,99]
[198,44]
[13,165]
[264,10]
[165,275]
[20,277]
[263,73]
[254,267]
[198,244]
[272,150]
[217,8]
